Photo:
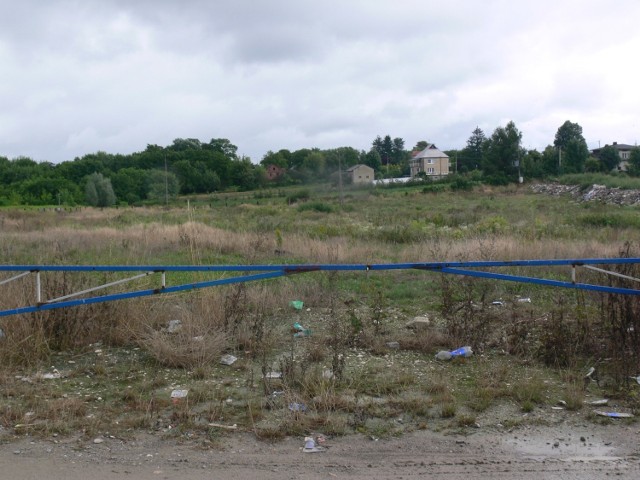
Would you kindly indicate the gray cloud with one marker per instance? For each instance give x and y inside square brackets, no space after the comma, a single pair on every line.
[78,77]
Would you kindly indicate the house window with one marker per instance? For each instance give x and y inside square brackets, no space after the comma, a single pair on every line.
[431,170]
[430,161]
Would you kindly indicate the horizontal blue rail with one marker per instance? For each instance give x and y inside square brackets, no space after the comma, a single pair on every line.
[318,267]
[274,271]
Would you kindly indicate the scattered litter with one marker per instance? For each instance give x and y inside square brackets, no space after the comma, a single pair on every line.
[297,407]
[637,379]
[311,447]
[598,402]
[98,440]
[272,375]
[228,359]
[226,427]
[174,326]
[499,303]
[460,352]
[51,376]
[300,331]
[326,373]
[177,395]
[557,408]
[524,300]
[613,414]
[297,304]
[562,402]
[277,393]
[591,376]
[393,345]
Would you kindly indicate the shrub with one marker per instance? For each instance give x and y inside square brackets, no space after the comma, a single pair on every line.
[315,206]
[300,195]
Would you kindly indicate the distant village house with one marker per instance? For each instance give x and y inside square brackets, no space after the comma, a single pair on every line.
[430,161]
[360,174]
[624,152]
[274,172]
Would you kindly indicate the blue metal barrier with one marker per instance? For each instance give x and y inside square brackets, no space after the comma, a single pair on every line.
[274,271]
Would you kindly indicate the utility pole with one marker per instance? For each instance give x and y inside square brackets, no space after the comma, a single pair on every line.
[166,182]
[340,177]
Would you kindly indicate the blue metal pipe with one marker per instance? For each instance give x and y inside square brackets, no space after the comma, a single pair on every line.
[274,271]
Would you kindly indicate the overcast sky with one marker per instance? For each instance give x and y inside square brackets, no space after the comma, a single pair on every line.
[78,77]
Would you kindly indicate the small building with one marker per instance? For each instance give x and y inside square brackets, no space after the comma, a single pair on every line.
[361,174]
[274,172]
[624,152]
[431,161]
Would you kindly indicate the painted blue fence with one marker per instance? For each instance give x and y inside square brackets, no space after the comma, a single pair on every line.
[250,273]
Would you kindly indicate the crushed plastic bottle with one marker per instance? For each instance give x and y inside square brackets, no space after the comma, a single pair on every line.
[460,352]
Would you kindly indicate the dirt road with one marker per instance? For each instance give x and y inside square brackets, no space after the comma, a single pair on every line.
[586,452]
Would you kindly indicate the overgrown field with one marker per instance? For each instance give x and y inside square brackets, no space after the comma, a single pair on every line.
[110,368]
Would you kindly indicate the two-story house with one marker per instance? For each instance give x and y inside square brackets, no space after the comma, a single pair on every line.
[431,161]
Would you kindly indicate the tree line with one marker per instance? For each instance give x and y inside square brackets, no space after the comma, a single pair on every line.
[190,166]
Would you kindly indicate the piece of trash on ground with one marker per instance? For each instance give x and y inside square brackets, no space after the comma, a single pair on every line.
[524,300]
[460,352]
[272,375]
[311,447]
[297,407]
[393,345]
[637,379]
[613,414]
[177,395]
[300,331]
[497,303]
[604,401]
[226,427]
[297,304]
[174,326]
[557,408]
[228,359]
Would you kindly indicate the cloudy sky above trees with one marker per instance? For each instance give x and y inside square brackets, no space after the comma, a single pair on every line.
[77,77]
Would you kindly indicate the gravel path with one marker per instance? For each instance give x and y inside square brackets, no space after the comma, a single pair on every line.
[586,452]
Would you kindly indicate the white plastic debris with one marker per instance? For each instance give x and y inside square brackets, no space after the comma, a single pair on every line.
[174,326]
[613,414]
[311,447]
[228,359]
[179,393]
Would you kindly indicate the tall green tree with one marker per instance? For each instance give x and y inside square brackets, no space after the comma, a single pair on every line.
[470,157]
[99,191]
[573,150]
[501,154]
[609,157]
[634,162]
[162,186]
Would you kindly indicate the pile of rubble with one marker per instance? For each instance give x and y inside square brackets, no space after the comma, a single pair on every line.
[598,193]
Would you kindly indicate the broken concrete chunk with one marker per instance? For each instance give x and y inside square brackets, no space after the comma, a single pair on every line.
[419,323]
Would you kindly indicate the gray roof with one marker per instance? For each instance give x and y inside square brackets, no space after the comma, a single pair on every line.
[431,152]
[351,169]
